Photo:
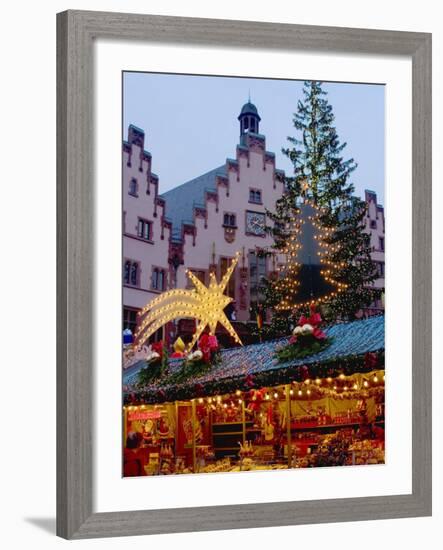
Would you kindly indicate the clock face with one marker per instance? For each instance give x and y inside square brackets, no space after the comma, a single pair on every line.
[255,223]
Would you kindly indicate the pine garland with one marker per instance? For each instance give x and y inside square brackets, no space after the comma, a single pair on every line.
[192,369]
[310,346]
[162,391]
[155,369]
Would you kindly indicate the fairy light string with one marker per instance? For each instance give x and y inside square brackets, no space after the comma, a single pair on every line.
[206,304]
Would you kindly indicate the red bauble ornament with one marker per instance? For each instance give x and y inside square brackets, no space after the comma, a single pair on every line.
[249,381]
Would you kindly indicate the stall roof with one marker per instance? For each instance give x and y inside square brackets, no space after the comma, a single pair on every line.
[350,340]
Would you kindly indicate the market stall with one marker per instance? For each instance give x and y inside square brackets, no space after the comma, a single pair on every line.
[246,408]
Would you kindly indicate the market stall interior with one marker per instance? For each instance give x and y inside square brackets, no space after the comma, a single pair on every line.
[248,410]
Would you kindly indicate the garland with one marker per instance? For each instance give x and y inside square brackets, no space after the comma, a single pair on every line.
[310,346]
[192,368]
[307,339]
[156,364]
[194,364]
[186,390]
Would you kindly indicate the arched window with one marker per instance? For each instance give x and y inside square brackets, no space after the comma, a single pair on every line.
[131,273]
[229,220]
[134,273]
[126,272]
[133,187]
[161,278]
[255,196]
[144,230]
[158,279]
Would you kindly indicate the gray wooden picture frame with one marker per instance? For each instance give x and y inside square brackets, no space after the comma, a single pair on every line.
[76,32]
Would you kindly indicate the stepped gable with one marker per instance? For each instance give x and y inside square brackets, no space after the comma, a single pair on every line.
[189,199]
[136,155]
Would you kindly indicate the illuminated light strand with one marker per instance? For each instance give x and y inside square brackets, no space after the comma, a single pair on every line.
[289,286]
[206,304]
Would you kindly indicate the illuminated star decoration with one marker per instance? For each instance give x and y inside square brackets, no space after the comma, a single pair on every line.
[206,304]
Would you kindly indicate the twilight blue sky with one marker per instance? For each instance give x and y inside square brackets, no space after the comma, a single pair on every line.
[191,122]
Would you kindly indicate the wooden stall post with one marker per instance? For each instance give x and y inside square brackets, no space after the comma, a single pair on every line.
[243,419]
[194,445]
[125,425]
[288,423]
[176,429]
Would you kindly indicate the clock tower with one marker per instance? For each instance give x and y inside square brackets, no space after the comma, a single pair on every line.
[249,121]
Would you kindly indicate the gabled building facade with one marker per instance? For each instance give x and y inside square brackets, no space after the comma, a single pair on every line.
[375,226]
[223,212]
[201,224]
[146,233]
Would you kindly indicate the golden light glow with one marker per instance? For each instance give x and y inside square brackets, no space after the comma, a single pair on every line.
[206,304]
[287,283]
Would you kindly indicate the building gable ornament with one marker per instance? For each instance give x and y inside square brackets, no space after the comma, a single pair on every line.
[230,234]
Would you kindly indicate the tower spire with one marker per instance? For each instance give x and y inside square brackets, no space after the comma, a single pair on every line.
[249,120]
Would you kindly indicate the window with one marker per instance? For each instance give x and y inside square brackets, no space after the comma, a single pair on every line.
[158,279]
[200,274]
[144,230]
[257,271]
[130,319]
[229,220]
[133,187]
[255,196]
[381,269]
[381,244]
[130,273]
[373,224]
[279,227]
[225,263]
[126,272]
[134,273]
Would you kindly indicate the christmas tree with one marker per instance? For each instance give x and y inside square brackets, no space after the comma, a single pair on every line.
[341,278]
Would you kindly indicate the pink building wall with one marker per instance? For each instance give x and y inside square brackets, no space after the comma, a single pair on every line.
[254,169]
[375,225]
[204,243]
[145,205]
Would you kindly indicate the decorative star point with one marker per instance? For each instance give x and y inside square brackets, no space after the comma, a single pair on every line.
[204,303]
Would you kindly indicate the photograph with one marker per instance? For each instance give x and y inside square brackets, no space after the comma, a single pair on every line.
[253,274]
[232,226]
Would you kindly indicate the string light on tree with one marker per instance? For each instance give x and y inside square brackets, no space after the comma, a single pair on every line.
[321,179]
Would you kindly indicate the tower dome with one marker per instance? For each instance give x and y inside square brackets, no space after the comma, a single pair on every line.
[249,120]
[249,109]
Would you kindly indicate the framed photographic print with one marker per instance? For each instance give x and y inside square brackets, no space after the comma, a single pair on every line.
[244,274]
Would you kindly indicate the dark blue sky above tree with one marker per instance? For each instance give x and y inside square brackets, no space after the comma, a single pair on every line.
[191,122]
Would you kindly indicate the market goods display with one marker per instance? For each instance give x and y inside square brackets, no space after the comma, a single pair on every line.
[266,429]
